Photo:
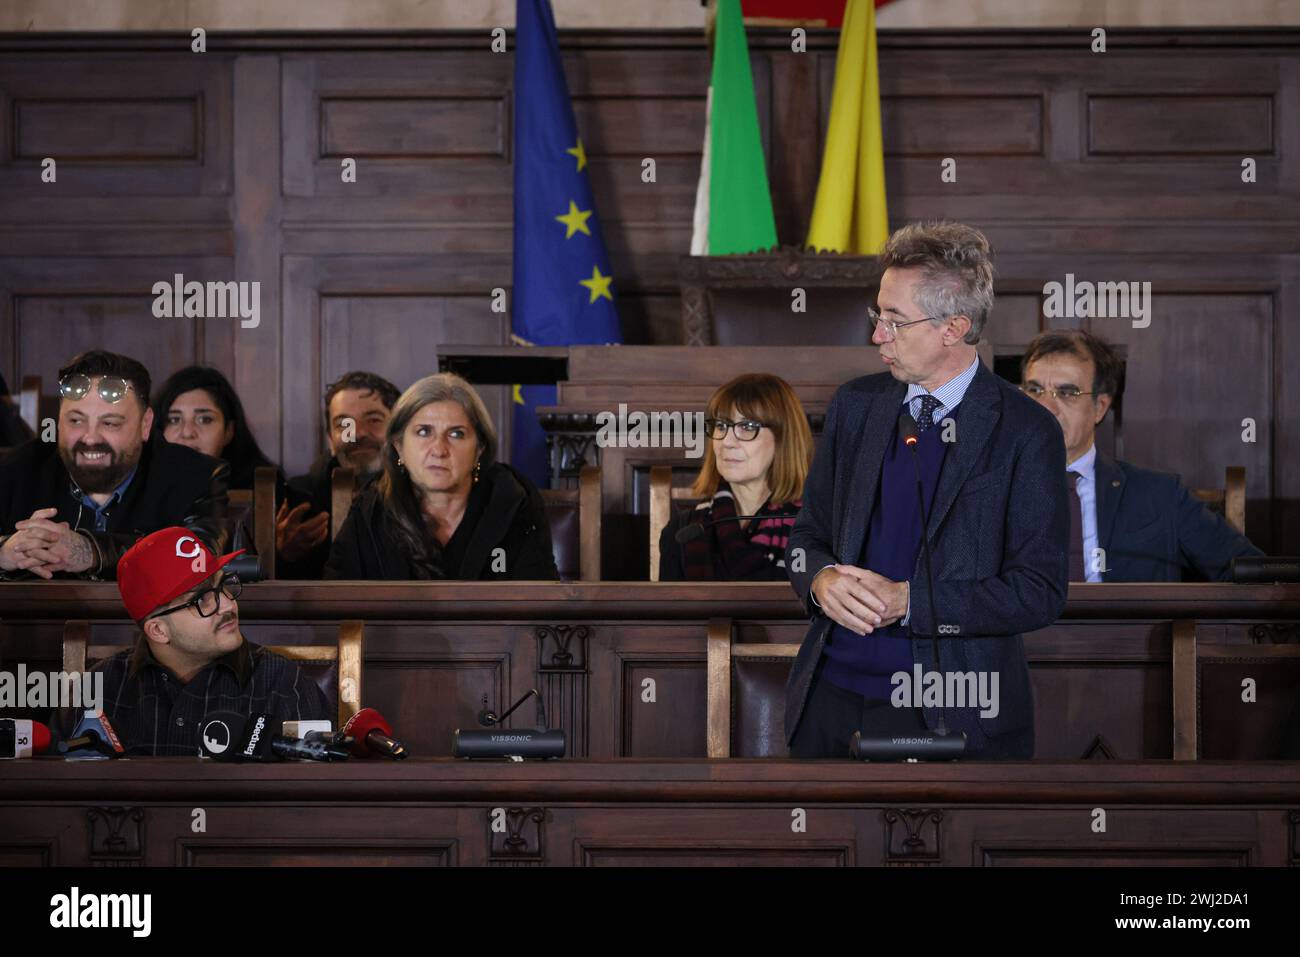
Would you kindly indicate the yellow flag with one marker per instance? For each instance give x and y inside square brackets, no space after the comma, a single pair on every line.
[849,215]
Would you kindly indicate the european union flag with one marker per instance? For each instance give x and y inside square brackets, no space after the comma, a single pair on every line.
[562,280]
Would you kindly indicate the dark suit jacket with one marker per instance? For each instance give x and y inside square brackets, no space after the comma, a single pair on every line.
[174,485]
[999,532]
[1153,530]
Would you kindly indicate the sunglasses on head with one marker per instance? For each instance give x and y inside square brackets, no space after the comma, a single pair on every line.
[111,387]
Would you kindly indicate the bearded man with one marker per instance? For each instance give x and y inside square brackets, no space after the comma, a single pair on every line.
[73,507]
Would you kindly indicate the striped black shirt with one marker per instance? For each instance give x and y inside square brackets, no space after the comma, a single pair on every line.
[154,714]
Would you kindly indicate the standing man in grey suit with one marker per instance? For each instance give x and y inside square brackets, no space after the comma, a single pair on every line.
[991,463]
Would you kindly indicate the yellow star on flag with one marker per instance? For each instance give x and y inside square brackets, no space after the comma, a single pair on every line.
[598,284]
[575,219]
[579,152]
[517,394]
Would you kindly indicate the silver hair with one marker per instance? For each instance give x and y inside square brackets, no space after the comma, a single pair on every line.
[445,387]
[956,270]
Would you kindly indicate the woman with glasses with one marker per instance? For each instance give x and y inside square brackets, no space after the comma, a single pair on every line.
[755,464]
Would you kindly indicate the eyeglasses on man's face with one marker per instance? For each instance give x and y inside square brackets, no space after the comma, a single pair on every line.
[890,326]
[207,601]
[1066,394]
[746,429]
[111,388]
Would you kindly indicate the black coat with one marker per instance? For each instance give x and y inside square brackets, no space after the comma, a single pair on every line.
[315,487]
[672,563]
[512,518]
[173,485]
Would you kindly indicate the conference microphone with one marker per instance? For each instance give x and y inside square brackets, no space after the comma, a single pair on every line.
[1265,569]
[913,746]
[509,743]
[229,736]
[938,744]
[21,738]
[93,735]
[689,533]
[372,736]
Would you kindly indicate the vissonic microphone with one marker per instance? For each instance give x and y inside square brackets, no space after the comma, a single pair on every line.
[939,744]
[372,736]
[21,738]
[509,743]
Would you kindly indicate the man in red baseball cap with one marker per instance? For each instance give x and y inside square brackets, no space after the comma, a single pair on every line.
[191,658]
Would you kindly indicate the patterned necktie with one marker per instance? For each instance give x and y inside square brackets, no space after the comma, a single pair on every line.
[926,419]
[1076,528]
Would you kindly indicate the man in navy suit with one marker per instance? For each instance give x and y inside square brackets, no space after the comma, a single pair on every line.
[991,462]
[1127,524]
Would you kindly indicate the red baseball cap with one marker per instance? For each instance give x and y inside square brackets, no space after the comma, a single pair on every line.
[165,565]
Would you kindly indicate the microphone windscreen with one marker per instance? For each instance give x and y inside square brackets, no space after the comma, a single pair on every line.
[359,727]
[365,721]
[221,734]
[907,430]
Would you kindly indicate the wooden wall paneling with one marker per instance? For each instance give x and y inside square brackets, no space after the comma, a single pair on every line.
[256,355]
[135,139]
[385,314]
[56,308]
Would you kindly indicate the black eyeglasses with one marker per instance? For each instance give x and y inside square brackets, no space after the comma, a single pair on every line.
[746,430]
[207,601]
[111,388]
[892,327]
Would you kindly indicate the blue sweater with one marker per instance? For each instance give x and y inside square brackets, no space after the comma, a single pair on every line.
[865,664]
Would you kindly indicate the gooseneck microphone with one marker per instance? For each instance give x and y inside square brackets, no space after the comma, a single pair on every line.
[508,742]
[372,736]
[939,744]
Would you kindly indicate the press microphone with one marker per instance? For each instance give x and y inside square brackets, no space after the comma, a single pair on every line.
[938,744]
[689,533]
[372,736]
[510,743]
[21,738]
[229,736]
[93,734]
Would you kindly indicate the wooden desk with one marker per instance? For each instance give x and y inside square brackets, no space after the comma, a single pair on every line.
[621,665]
[428,813]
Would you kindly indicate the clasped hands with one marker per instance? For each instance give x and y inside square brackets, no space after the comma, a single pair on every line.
[43,546]
[859,599]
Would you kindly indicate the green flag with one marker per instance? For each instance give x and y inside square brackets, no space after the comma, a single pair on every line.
[733,206]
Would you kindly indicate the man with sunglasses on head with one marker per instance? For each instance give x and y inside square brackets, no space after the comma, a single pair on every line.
[75,506]
[1127,524]
[191,658]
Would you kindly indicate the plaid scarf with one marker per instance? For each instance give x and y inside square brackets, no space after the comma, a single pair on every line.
[739,550]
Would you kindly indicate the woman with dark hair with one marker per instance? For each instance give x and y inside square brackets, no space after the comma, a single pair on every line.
[755,463]
[198,407]
[444,507]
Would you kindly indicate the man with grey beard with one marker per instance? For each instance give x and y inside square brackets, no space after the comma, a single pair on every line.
[74,507]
